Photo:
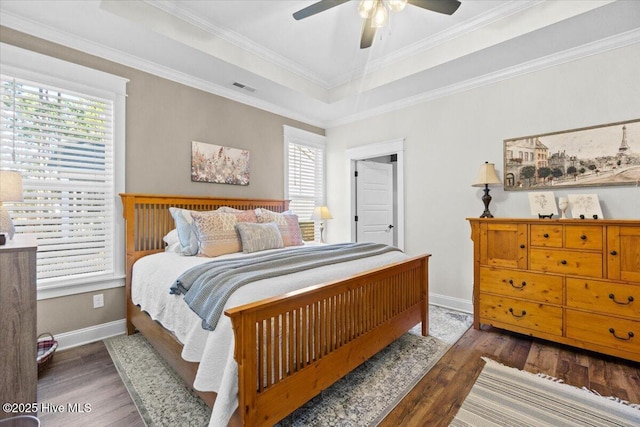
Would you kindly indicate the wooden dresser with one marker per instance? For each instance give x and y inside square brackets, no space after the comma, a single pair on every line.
[19,377]
[572,281]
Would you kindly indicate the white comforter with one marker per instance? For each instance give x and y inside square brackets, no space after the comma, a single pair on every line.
[218,371]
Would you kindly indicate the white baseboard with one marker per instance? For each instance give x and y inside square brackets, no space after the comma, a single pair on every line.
[119,327]
[451,302]
[91,334]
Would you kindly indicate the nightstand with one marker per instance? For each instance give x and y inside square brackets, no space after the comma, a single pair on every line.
[19,379]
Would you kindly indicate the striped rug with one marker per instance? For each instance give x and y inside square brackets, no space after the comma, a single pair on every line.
[504,396]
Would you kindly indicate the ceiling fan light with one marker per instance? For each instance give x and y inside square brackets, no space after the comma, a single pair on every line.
[395,5]
[380,17]
[366,7]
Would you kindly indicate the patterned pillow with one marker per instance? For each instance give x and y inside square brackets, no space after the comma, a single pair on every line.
[186,232]
[216,233]
[248,215]
[259,237]
[287,224]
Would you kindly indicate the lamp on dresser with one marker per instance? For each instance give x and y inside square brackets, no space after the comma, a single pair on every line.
[321,213]
[10,191]
[486,176]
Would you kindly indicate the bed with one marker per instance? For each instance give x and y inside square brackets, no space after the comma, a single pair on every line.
[325,329]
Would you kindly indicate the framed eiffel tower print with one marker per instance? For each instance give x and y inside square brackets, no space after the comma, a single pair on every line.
[604,155]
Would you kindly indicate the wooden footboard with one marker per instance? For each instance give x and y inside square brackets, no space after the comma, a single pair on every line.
[291,347]
[309,339]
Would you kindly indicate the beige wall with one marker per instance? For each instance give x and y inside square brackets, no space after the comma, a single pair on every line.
[73,312]
[163,117]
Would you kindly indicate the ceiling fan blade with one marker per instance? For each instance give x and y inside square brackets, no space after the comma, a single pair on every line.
[368,33]
[441,6]
[318,7]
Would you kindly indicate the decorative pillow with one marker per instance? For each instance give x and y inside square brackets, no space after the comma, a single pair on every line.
[248,215]
[174,247]
[228,209]
[171,237]
[287,224]
[216,233]
[259,237]
[188,239]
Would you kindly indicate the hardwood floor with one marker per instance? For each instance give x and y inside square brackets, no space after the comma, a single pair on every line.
[87,375]
[435,400]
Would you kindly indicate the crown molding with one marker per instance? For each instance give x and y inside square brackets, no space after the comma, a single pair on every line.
[589,49]
[236,39]
[74,42]
[66,39]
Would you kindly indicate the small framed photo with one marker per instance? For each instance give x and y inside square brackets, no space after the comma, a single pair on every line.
[585,206]
[543,204]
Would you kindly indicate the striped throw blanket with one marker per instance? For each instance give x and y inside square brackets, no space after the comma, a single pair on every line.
[208,286]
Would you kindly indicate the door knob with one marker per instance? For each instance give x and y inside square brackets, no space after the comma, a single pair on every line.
[390,226]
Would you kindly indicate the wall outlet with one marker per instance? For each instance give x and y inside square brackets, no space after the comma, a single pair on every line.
[98,301]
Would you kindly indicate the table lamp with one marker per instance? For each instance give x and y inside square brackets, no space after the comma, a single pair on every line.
[320,213]
[486,176]
[10,191]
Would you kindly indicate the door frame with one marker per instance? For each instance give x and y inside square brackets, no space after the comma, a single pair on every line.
[370,151]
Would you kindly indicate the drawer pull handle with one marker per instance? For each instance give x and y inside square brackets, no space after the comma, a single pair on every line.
[515,315]
[613,298]
[563,262]
[521,246]
[614,253]
[629,335]
[545,235]
[583,237]
[517,287]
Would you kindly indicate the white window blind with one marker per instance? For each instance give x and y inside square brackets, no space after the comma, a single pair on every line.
[305,173]
[62,143]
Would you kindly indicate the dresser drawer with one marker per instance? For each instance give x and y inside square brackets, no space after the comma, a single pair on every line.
[604,297]
[546,235]
[622,334]
[521,284]
[583,237]
[566,262]
[525,314]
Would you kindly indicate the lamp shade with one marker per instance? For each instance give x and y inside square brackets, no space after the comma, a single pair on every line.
[10,186]
[321,212]
[486,175]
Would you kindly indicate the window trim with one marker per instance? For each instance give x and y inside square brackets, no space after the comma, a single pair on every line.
[310,139]
[26,65]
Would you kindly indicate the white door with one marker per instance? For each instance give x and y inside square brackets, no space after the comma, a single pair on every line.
[374,202]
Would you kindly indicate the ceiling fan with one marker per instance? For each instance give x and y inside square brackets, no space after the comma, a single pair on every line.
[376,12]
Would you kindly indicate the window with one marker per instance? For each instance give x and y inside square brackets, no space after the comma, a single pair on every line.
[304,172]
[63,138]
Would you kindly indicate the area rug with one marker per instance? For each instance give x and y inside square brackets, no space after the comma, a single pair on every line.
[362,398]
[504,396]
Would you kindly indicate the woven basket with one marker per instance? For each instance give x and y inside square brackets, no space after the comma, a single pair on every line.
[47,345]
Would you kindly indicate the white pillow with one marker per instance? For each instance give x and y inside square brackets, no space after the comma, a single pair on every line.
[171,237]
[174,247]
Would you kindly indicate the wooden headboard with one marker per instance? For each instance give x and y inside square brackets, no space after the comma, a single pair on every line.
[147,219]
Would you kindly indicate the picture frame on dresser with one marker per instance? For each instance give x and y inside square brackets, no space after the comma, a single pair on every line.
[585,206]
[543,203]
